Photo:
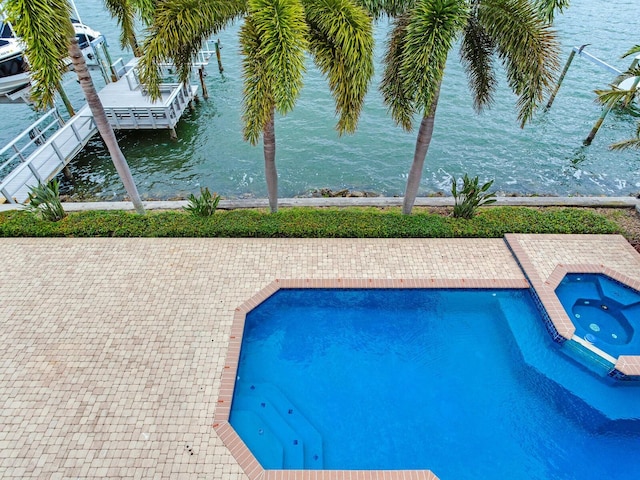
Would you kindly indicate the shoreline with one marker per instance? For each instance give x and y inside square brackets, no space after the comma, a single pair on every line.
[380,202]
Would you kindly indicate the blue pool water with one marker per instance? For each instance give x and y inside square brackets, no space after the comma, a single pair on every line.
[425,379]
[604,312]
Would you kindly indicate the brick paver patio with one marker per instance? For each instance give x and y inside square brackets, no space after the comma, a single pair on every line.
[113,349]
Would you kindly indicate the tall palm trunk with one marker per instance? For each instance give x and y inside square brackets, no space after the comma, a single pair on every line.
[133,41]
[100,117]
[422,147]
[270,173]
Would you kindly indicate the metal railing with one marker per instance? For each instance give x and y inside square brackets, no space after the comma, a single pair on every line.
[45,154]
[20,148]
[165,116]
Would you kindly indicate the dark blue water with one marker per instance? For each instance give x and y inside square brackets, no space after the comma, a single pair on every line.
[605,312]
[423,379]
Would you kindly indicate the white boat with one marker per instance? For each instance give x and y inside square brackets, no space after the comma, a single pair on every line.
[14,67]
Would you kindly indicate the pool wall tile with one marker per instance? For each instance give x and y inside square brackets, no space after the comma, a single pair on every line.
[628,367]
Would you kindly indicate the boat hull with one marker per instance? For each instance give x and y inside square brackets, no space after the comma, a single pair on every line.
[14,82]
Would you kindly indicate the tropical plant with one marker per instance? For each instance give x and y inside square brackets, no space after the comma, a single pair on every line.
[204,205]
[46,31]
[617,96]
[512,31]
[44,201]
[472,196]
[274,38]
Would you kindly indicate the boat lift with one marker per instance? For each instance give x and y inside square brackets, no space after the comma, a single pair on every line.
[629,84]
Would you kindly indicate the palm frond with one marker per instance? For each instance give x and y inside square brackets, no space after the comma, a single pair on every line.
[258,99]
[45,29]
[476,53]
[341,42]
[178,31]
[615,95]
[146,10]
[282,32]
[548,8]
[527,46]
[433,27]
[124,13]
[635,49]
[392,86]
[390,8]
[627,144]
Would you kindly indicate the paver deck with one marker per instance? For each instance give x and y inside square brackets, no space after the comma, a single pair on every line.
[114,349]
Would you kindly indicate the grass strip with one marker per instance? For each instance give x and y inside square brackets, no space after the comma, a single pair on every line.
[308,222]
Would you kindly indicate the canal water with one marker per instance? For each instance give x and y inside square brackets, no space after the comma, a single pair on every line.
[546,157]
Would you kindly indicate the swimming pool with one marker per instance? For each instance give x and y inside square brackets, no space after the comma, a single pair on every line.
[604,312]
[366,379]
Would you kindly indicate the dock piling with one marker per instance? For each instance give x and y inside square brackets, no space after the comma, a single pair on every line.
[598,124]
[561,78]
[217,44]
[66,171]
[201,74]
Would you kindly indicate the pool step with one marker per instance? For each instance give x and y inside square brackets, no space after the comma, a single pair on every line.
[267,419]
[297,435]
[255,433]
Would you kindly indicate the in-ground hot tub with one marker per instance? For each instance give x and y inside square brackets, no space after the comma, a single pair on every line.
[605,312]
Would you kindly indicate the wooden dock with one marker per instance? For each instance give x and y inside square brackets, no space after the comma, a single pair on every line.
[129,107]
[46,147]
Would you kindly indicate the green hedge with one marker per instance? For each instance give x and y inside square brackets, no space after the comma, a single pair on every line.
[309,223]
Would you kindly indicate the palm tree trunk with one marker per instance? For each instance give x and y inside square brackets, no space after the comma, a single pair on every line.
[422,147]
[100,117]
[270,173]
[134,45]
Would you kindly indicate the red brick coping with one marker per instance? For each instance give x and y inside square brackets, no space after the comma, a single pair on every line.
[232,440]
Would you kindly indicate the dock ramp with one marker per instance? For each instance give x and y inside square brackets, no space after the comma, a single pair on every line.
[42,151]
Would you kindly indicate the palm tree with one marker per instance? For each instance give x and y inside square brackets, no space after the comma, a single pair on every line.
[615,95]
[46,30]
[424,33]
[274,38]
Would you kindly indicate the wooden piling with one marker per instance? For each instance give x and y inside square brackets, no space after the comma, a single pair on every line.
[205,92]
[562,75]
[596,127]
[66,171]
[217,44]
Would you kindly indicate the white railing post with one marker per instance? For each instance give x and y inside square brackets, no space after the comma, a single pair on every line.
[35,172]
[76,132]
[58,152]
[8,197]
